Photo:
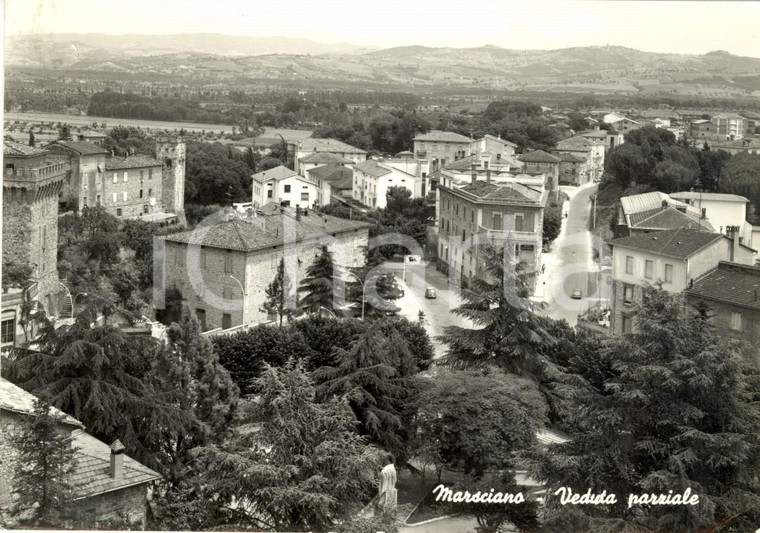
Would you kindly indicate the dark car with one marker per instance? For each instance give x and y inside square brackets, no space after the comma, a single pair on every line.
[430,293]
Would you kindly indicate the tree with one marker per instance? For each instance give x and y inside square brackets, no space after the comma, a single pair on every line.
[246,354]
[478,421]
[318,284]
[377,379]
[552,223]
[31,139]
[739,175]
[16,275]
[627,164]
[305,468]
[100,377]
[188,368]
[44,465]
[278,294]
[675,409]
[508,336]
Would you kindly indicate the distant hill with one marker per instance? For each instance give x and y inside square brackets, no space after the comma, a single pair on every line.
[592,69]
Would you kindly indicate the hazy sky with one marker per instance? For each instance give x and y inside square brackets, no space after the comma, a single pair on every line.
[683,27]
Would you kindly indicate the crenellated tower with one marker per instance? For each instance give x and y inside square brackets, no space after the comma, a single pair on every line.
[171,152]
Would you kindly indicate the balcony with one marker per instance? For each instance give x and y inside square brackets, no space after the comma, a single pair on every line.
[495,236]
[38,176]
[15,296]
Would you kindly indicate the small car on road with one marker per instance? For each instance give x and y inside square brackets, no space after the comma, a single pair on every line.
[577,294]
[430,293]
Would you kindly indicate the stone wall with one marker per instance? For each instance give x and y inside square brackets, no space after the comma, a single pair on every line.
[255,270]
[147,180]
[115,509]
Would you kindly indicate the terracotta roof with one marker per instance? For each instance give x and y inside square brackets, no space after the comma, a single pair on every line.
[373,168]
[672,218]
[538,156]
[405,152]
[92,133]
[512,192]
[331,172]
[442,137]
[92,474]
[498,139]
[570,158]
[132,161]
[596,134]
[731,283]
[680,243]
[276,173]
[648,201]
[689,195]
[12,148]
[14,398]
[465,164]
[82,147]
[273,226]
[325,158]
[327,145]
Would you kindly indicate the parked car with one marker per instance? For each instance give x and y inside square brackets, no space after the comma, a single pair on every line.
[577,294]
[430,293]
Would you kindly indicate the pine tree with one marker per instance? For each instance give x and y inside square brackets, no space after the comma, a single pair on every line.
[31,139]
[304,468]
[278,294]
[376,377]
[44,464]
[676,409]
[205,392]
[507,334]
[318,284]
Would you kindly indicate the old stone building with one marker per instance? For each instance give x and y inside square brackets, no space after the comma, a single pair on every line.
[32,181]
[110,488]
[134,186]
[223,269]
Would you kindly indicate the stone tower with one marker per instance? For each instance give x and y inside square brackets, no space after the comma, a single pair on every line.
[32,181]
[171,152]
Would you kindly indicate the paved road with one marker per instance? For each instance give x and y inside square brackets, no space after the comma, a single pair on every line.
[437,311]
[571,264]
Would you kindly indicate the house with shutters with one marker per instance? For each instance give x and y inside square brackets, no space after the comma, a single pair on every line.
[675,258]
[283,186]
[109,488]
[306,150]
[373,179]
[332,181]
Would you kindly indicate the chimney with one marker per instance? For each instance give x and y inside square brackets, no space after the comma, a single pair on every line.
[732,232]
[117,460]
[474,170]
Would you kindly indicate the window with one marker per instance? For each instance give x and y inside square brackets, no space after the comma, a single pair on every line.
[7,330]
[146,209]
[150,193]
[304,196]
[226,321]
[497,223]
[628,264]
[141,193]
[126,176]
[204,257]
[648,268]
[287,188]
[228,262]
[142,174]
[472,216]
[269,193]
[150,173]
[518,222]
[628,294]
[115,177]
[227,293]
[84,201]
[97,200]
[736,321]
[464,235]
[668,273]
[118,211]
[627,325]
[115,197]
[124,196]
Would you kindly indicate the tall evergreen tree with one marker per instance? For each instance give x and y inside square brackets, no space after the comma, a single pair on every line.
[507,334]
[188,369]
[303,468]
[44,464]
[31,139]
[676,408]
[318,284]
[377,378]
[278,294]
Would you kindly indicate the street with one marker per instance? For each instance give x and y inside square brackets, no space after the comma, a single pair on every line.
[570,265]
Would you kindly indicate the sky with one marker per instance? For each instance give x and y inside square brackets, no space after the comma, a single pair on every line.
[659,26]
